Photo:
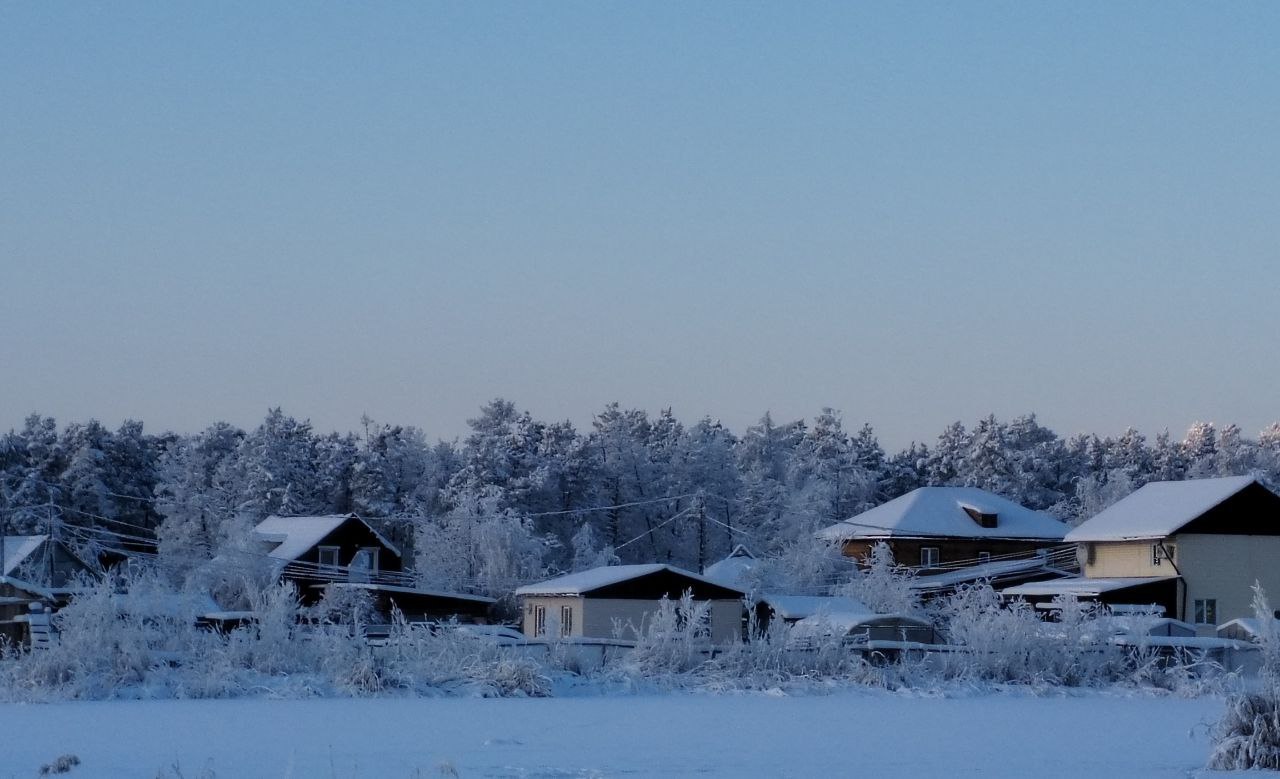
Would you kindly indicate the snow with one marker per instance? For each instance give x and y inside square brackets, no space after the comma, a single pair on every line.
[733,570]
[801,606]
[295,535]
[409,590]
[17,549]
[930,512]
[840,622]
[586,581]
[1080,586]
[973,573]
[679,735]
[1158,509]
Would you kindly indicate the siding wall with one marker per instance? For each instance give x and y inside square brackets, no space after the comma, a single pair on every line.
[1125,558]
[1223,568]
[552,605]
[594,617]
[1217,567]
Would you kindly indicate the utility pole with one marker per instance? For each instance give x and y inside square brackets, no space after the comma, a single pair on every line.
[702,531]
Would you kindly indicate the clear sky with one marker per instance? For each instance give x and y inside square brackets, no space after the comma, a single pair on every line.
[913,212]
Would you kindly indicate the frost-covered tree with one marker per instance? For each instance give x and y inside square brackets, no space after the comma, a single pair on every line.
[193,495]
[480,547]
[274,471]
[883,585]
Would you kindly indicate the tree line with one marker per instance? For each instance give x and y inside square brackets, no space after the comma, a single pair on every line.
[518,498]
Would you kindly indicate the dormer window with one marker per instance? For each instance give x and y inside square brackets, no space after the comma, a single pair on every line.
[983,518]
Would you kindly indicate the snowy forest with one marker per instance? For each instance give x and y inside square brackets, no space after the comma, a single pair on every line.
[519,498]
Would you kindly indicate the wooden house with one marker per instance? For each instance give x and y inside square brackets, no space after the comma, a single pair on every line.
[589,604]
[1193,547]
[946,527]
[39,570]
[343,551]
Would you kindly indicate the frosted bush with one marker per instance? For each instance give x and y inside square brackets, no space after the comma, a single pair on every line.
[1010,643]
[883,585]
[1248,736]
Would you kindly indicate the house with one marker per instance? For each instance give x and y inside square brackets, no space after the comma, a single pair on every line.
[1193,547]
[589,603]
[332,548]
[940,527]
[814,615]
[37,569]
[345,552]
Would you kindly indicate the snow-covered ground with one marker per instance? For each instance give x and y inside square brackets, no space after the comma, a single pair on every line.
[844,734]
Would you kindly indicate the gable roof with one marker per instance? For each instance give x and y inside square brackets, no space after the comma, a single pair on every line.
[586,582]
[732,571]
[19,549]
[944,512]
[293,536]
[1159,509]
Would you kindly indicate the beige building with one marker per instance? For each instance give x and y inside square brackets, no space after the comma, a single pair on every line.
[618,601]
[1193,547]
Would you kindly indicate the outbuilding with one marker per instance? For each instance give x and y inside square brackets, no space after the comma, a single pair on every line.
[601,601]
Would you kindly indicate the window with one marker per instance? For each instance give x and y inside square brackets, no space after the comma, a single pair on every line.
[539,620]
[1090,554]
[1161,552]
[1206,612]
[929,556]
[984,557]
[329,556]
[566,620]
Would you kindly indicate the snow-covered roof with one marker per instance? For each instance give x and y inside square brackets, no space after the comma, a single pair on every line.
[293,536]
[375,587]
[732,571]
[802,606]
[846,621]
[1249,626]
[974,573]
[1132,626]
[17,549]
[940,512]
[1081,586]
[1158,509]
[595,578]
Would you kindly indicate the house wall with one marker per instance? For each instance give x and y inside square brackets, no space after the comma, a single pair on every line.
[1125,558]
[552,605]
[726,618]
[594,617]
[906,551]
[1224,568]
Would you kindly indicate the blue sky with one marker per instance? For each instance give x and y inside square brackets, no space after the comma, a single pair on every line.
[913,212]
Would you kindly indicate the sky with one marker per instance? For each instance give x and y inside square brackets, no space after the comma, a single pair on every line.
[911,212]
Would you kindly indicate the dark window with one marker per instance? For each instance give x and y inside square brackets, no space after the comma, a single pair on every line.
[566,620]
[329,556]
[539,620]
[929,556]
[1206,612]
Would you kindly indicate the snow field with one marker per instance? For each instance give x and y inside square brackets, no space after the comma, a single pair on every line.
[845,734]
